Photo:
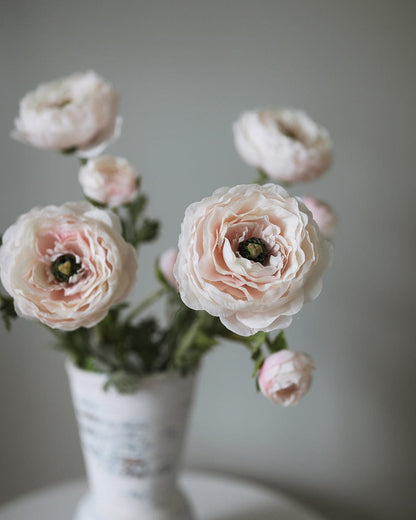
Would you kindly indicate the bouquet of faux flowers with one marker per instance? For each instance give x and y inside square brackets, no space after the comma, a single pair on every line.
[248,257]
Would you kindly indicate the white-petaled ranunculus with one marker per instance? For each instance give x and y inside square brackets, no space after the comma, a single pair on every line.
[77,113]
[109,180]
[65,266]
[166,265]
[323,214]
[284,143]
[286,376]
[251,255]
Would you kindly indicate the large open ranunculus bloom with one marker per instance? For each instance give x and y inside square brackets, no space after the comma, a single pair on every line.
[65,266]
[251,255]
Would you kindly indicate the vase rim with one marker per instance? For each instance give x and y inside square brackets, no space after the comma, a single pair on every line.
[157,376]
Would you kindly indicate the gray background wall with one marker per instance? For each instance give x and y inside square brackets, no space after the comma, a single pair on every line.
[185,71]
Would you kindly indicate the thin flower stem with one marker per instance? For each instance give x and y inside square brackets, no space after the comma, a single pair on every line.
[189,337]
[146,303]
[262,177]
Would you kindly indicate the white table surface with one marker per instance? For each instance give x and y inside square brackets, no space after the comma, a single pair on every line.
[215,497]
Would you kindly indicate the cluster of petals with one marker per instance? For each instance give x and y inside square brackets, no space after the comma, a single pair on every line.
[77,113]
[93,238]
[323,214]
[109,180]
[285,144]
[250,296]
[286,376]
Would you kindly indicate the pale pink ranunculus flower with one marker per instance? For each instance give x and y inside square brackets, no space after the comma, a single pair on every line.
[286,144]
[252,256]
[166,265]
[109,180]
[323,214]
[77,113]
[66,266]
[286,376]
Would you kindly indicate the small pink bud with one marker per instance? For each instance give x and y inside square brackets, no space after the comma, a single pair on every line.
[167,262]
[109,180]
[286,376]
[323,215]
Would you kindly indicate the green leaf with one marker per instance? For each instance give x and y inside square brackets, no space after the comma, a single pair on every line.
[75,343]
[7,310]
[258,365]
[69,151]
[136,207]
[95,365]
[96,203]
[256,340]
[145,340]
[279,343]
[147,232]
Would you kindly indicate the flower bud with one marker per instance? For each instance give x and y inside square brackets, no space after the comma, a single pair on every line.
[167,262]
[109,180]
[286,376]
[323,215]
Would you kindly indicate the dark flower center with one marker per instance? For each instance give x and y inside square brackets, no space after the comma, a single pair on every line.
[288,132]
[64,267]
[254,249]
[60,104]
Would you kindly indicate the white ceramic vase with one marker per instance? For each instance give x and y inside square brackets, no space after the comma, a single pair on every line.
[132,446]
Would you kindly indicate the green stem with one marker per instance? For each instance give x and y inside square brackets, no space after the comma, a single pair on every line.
[150,300]
[189,337]
[262,177]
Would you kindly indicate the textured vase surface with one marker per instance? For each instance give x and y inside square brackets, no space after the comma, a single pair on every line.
[132,446]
